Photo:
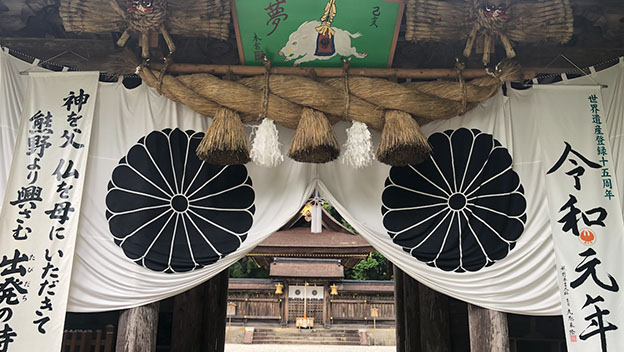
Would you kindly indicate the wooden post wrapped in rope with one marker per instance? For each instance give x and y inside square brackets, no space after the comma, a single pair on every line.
[402,143]
[225,142]
[315,140]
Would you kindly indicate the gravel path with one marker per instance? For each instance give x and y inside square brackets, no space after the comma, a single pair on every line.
[306,348]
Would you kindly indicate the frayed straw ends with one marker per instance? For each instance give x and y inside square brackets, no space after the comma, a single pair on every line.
[315,140]
[401,142]
[225,142]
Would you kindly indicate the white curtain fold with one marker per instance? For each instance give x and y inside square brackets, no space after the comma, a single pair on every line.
[524,282]
[103,278]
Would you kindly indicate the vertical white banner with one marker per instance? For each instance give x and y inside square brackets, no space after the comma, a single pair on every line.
[40,209]
[585,215]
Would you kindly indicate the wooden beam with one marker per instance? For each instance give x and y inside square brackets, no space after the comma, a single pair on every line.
[488,330]
[186,326]
[215,308]
[411,303]
[399,309]
[325,72]
[435,324]
[100,53]
[137,327]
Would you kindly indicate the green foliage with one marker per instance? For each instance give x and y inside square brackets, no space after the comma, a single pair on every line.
[247,268]
[334,213]
[372,268]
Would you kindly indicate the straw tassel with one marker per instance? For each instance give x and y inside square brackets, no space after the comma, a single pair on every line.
[401,142]
[358,149]
[315,141]
[225,142]
[265,147]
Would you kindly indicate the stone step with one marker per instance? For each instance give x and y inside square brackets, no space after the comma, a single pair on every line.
[307,331]
[305,334]
[306,342]
[342,338]
[353,340]
[294,337]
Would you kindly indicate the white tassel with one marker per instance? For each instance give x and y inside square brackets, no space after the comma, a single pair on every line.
[265,148]
[317,219]
[358,149]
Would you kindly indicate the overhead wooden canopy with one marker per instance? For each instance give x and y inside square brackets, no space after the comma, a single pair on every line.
[35,28]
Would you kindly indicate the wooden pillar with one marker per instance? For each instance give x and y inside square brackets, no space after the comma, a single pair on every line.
[411,303]
[285,305]
[137,327]
[399,310]
[488,330]
[215,308]
[435,324]
[326,305]
[186,326]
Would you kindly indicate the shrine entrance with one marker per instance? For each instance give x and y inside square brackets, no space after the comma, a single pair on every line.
[306,305]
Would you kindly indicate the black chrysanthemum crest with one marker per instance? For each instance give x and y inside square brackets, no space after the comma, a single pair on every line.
[171,212]
[462,209]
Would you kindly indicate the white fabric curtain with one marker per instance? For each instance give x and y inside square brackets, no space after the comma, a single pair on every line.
[103,277]
[12,91]
[524,282]
[521,281]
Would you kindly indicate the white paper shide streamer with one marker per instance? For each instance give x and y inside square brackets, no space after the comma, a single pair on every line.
[358,149]
[317,219]
[265,148]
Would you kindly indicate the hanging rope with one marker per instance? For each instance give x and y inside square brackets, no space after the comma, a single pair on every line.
[265,147]
[459,67]
[265,89]
[347,95]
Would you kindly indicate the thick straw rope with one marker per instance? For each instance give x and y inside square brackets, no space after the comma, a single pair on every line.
[367,97]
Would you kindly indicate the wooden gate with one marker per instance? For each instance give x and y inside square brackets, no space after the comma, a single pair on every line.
[314,308]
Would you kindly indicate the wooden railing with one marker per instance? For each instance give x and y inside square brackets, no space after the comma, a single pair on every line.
[88,340]
[356,310]
[256,308]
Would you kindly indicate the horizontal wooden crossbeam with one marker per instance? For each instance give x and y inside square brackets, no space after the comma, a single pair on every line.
[325,72]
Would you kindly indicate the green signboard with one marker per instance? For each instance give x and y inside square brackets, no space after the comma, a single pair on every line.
[317,32]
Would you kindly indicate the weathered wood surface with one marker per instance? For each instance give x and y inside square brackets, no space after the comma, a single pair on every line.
[411,304]
[488,330]
[137,329]
[88,340]
[399,309]
[214,314]
[99,54]
[186,326]
[323,72]
[435,325]
[349,308]
[252,305]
